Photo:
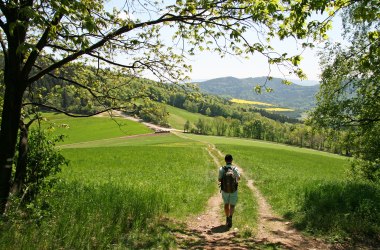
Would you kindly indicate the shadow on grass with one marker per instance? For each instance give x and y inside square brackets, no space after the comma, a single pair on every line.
[345,211]
[213,238]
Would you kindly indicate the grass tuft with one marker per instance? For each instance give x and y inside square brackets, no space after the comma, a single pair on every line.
[341,210]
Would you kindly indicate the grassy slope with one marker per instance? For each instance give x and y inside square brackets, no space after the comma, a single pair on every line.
[310,188]
[163,167]
[97,177]
[115,192]
[178,117]
[93,128]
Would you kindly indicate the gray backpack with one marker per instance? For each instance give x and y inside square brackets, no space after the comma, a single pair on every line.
[229,183]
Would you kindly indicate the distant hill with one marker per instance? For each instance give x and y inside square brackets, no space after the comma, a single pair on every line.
[305,82]
[292,96]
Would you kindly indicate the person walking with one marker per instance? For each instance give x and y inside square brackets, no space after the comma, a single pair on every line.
[229,177]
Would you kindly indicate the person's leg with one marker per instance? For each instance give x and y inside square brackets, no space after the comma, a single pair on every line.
[227,213]
[227,209]
[231,210]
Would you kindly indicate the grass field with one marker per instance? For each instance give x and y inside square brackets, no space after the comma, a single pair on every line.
[115,195]
[178,117]
[310,188]
[130,192]
[92,128]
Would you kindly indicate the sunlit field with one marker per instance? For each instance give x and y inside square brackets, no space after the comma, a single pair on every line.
[92,128]
[132,191]
[250,102]
[308,187]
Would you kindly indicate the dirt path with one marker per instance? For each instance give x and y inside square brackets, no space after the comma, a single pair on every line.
[207,231]
[154,127]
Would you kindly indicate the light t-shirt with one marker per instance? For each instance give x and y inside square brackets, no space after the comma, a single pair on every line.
[235,169]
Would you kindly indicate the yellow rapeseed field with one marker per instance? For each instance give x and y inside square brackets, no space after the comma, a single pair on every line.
[250,102]
[240,101]
[279,109]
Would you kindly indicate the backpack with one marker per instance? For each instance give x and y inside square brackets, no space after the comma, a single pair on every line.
[229,183]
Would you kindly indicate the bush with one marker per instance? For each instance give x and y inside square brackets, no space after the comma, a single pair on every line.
[44,161]
[342,209]
[367,170]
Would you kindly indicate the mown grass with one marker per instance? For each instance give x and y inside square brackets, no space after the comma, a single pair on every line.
[313,191]
[178,117]
[162,140]
[184,175]
[116,196]
[92,128]
[310,188]
[246,211]
[116,192]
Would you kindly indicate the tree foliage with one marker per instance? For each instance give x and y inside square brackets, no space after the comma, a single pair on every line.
[44,161]
[349,98]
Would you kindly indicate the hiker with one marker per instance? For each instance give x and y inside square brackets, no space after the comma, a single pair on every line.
[228,177]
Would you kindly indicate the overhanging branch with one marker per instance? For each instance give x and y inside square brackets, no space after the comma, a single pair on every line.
[75,115]
[110,36]
[40,44]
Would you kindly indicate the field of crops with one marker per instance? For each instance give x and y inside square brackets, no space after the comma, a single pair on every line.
[250,102]
[261,105]
[134,191]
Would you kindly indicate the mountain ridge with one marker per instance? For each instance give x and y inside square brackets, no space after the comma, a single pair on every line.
[293,96]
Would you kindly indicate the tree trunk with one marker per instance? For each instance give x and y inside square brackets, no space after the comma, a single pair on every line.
[8,137]
[18,182]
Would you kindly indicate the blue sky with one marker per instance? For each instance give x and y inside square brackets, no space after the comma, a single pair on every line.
[207,65]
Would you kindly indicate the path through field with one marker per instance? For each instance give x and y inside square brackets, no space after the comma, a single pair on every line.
[207,231]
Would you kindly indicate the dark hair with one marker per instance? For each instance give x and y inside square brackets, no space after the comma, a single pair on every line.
[228,158]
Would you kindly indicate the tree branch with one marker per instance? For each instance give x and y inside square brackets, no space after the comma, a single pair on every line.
[40,44]
[75,83]
[107,38]
[111,62]
[71,114]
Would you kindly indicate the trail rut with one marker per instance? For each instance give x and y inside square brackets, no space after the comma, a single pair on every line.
[207,230]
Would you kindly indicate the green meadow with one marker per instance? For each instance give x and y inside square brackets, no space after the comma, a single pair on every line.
[178,117]
[133,192]
[308,187]
[78,130]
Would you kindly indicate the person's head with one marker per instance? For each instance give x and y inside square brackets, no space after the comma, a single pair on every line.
[228,158]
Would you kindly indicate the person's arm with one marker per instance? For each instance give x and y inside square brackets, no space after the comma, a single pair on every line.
[237,174]
[220,176]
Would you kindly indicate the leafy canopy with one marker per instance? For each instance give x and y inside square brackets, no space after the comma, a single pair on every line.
[64,30]
[349,98]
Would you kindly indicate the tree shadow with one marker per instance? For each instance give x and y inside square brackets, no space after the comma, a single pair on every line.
[196,239]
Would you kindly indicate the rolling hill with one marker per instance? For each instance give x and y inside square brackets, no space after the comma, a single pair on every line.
[293,96]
